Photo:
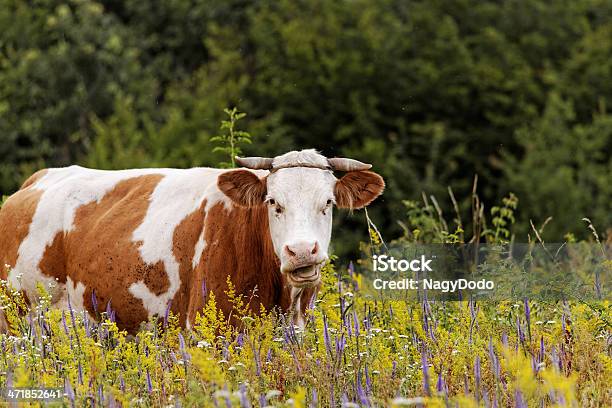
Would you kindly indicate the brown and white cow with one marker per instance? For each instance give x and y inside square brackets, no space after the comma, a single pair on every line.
[148,238]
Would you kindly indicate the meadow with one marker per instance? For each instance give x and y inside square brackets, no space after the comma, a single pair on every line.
[355,350]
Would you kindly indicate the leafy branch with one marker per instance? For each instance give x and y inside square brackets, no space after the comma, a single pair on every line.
[230,139]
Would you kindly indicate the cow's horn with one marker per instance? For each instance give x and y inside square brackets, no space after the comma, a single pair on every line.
[255,163]
[342,164]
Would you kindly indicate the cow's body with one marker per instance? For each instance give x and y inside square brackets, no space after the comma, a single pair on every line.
[140,239]
[149,239]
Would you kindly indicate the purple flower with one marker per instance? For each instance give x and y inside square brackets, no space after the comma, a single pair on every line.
[168,306]
[269,356]
[494,360]
[244,400]
[149,383]
[108,309]
[69,391]
[80,368]
[556,363]
[263,401]
[477,376]
[527,316]
[440,383]
[326,334]
[64,322]
[340,343]
[315,398]
[361,394]
[228,402]
[518,400]
[520,333]
[425,370]
[94,301]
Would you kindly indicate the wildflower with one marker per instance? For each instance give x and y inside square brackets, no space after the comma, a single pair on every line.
[244,400]
[80,369]
[440,383]
[69,391]
[94,301]
[168,306]
[425,371]
[203,344]
[400,401]
[527,315]
[273,394]
[149,383]
[477,377]
[315,398]
[263,401]
[494,360]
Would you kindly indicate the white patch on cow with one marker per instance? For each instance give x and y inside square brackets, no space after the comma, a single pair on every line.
[64,190]
[176,196]
[199,248]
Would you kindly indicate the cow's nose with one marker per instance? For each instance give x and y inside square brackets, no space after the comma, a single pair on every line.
[302,249]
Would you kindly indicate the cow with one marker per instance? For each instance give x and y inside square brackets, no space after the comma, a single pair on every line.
[152,240]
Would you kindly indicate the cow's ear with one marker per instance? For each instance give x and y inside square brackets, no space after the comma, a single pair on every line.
[243,187]
[356,189]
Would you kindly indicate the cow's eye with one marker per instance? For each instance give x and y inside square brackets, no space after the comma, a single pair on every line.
[329,202]
[271,201]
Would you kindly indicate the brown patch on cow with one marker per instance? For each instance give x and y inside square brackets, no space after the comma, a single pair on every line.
[238,245]
[243,187]
[15,218]
[53,262]
[187,300]
[33,178]
[104,258]
[357,189]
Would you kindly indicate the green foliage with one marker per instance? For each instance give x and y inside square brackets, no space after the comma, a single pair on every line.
[230,141]
[564,170]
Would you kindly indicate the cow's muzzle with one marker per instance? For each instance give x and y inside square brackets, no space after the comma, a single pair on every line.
[305,276]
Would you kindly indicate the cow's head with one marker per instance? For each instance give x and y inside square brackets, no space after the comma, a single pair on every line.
[300,191]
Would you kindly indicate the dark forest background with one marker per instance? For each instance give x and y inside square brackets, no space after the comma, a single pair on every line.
[430,92]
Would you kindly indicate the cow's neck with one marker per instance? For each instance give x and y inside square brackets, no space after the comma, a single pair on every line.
[238,245]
